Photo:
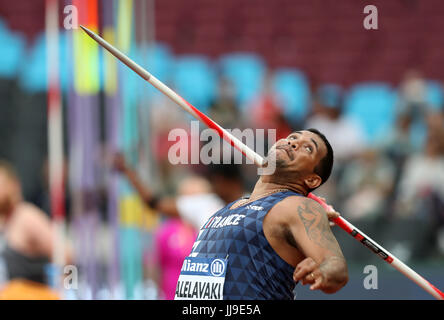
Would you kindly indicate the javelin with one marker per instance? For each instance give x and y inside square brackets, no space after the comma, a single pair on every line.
[258,160]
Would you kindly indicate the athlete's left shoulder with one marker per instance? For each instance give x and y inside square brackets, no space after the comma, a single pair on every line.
[292,204]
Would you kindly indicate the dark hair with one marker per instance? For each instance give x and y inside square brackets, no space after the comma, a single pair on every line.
[229,171]
[325,165]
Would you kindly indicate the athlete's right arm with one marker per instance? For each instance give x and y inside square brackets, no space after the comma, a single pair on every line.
[324,266]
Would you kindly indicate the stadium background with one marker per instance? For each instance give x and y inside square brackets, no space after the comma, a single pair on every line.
[315,57]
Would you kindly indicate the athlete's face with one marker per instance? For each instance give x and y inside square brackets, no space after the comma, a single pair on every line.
[300,152]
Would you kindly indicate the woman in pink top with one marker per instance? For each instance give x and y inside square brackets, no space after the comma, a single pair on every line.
[173,242]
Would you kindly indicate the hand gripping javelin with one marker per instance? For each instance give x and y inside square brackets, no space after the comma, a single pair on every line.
[259,161]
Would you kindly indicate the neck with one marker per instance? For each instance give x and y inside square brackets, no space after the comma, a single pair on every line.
[267,184]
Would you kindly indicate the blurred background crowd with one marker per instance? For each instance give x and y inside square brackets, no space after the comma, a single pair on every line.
[287,65]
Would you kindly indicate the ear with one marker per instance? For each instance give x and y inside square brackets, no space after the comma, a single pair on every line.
[313,181]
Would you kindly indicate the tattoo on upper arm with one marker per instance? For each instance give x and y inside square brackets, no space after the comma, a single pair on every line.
[317,227]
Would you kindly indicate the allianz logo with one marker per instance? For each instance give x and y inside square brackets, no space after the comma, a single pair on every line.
[216,268]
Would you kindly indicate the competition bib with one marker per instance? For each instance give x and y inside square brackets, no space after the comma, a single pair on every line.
[201,279]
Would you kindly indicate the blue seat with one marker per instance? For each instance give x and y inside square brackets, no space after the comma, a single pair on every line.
[434,100]
[246,71]
[194,78]
[158,61]
[13,49]
[330,95]
[33,74]
[33,70]
[372,106]
[293,89]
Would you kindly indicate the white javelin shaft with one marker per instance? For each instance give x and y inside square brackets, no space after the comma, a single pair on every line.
[252,155]
[249,153]
[390,258]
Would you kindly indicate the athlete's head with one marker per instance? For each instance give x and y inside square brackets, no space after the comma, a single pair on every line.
[10,190]
[304,157]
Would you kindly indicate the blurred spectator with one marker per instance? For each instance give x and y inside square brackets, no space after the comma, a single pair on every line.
[345,136]
[224,110]
[397,143]
[413,104]
[173,241]
[397,147]
[422,179]
[194,208]
[226,181]
[265,111]
[29,242]
[412,94]
[366,183]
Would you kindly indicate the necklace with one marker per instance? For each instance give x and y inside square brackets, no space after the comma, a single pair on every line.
[243,202]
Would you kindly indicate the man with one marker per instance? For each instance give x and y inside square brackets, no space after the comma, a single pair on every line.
[256,248]
[28,237]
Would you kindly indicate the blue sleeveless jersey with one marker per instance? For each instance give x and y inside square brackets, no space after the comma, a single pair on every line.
[254,271]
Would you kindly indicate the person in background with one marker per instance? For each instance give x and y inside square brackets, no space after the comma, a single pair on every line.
[265,111]
[195,208]
[226,181]
[422,179]
[328,117]
[224,109]
[412,94]
[345,136]
[173,241]
[28,242]
[366,184]
[398,145]
[412,101]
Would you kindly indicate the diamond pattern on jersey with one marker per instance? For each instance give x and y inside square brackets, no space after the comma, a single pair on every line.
[254,269]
